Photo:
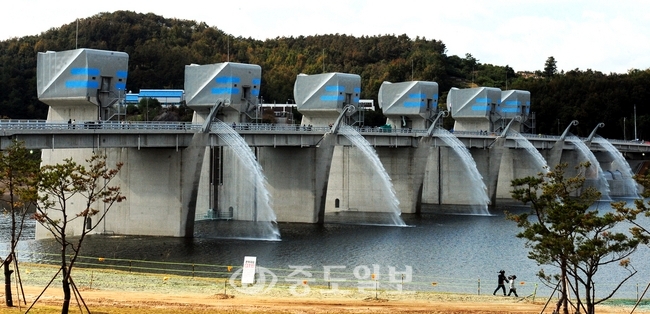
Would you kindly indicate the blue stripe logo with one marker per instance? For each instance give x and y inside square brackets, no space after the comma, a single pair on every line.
[413,104]
[257,81]
[483,100]
[225,91]
[510,110]
[120,86]
[82,84]
[84,71]
[255,92]
[121,74]
[331,98]
[480,108]
[512,103]
[357,89]
[227,79]
[335,88]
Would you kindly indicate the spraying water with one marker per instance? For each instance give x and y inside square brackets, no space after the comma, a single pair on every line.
[619,164]
[476,190]
[387,191]
[594,171]
[253,200]
[523,142]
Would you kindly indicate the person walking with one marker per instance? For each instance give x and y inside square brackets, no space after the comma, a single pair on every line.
[501,282]
[511,280]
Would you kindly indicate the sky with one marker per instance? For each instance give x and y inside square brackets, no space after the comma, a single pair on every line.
[606,36]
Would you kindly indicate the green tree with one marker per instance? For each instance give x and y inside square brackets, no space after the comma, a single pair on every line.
[58,185]
[18,177]
[563,230]
[149,108]
[550,67]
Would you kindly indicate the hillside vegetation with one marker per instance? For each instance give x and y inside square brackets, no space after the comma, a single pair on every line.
[159,48]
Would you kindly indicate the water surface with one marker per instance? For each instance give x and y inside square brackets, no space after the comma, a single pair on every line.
[459,253]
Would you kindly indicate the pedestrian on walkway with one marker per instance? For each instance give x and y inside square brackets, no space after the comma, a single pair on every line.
[511,280]
[501,279]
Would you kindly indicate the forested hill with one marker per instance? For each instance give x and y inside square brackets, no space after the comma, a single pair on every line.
[159,48]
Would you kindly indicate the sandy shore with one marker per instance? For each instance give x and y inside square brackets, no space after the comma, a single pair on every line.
[164,293]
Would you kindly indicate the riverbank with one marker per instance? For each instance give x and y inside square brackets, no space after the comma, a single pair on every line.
[106,291]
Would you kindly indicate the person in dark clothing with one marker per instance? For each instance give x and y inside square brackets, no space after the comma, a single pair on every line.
[502,282]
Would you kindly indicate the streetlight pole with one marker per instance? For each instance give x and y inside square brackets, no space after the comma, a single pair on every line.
[635,136]
[624,137]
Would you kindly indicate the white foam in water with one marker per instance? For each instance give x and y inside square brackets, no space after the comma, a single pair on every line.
[476,189]
[525,143]
[255,199]
[387,189]
[620,164]
[594,171]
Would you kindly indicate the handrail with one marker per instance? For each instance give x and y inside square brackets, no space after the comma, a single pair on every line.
[129,126]
[96,125]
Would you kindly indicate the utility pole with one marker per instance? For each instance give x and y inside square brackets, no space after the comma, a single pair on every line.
[624,137]
[76,39]
[635,136]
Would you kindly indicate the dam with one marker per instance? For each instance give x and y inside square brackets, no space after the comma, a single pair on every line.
[177,173]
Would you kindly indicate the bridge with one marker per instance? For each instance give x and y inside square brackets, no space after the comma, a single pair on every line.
[42,134]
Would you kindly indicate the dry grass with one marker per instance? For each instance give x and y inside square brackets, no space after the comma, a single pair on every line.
[107,291]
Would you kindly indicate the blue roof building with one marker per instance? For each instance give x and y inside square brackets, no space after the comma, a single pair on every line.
[166,97]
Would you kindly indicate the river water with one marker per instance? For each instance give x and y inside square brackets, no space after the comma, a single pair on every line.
[454,253]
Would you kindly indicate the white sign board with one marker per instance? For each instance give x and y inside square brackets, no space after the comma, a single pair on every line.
[248,272]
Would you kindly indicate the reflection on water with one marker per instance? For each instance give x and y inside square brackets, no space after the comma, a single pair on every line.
[460,253]
[5,228]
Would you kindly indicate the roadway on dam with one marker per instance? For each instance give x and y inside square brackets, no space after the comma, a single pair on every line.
[39,134]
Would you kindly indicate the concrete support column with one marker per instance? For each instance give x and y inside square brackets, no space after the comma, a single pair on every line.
[494,164]
[298,179]
[192,168]
[556,154]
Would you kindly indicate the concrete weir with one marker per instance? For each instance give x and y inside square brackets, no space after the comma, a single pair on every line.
[312,172]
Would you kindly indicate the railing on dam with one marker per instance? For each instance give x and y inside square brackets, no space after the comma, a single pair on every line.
[46,134]
[21,125]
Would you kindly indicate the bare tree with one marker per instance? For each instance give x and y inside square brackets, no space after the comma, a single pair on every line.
[58,184]
[18,178]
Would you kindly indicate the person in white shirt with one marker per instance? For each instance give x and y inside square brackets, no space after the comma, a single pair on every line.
[511,280]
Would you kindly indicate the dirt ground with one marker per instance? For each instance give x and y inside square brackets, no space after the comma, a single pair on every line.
[111,291]
[149,302]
